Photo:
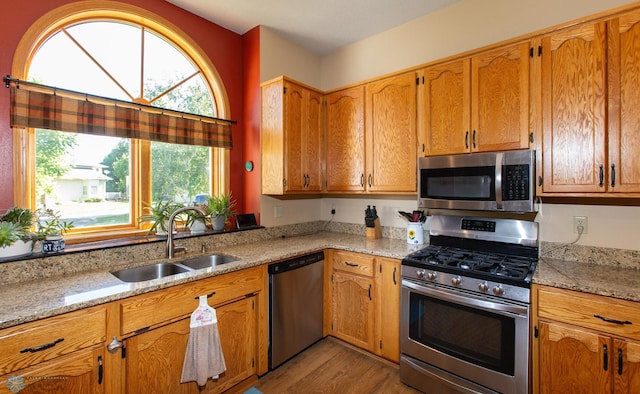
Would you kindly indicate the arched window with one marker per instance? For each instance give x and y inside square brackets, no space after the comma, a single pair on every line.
[102,183]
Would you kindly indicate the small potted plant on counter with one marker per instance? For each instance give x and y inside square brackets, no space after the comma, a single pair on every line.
[17,233]
[220,208]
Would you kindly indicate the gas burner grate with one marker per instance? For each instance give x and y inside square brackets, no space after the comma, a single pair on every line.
[492,264]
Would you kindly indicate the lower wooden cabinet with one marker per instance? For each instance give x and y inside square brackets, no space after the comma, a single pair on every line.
[388,308]
[353,309]
[586,343]
[79,372]
[364,308]
[154,359]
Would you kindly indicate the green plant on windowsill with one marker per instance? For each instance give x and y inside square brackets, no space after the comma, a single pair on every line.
[18,234]
[158,215]
[220,208]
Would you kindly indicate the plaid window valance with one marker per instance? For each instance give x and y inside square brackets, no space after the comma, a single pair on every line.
[39,106]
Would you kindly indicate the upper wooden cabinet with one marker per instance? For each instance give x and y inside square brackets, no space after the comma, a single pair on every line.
[344,133]
[292,139]
[573,109]
[391,140]
[371,137]
[476,104]
[591,131]
[624,101]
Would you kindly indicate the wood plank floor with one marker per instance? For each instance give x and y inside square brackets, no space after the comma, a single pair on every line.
[331,366]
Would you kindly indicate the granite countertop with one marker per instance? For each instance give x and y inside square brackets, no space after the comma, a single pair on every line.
[37,299]
[34,299]
[611,280]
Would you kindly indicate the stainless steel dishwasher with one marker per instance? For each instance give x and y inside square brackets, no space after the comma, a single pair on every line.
[295,306]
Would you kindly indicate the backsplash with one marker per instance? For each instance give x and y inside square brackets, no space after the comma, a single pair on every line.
[124,256]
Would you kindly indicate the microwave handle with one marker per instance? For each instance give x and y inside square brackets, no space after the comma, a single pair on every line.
[498,183]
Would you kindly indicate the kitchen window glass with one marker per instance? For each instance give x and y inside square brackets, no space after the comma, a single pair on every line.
[101,183]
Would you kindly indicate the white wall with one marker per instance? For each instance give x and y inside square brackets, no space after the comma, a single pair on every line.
[463,26]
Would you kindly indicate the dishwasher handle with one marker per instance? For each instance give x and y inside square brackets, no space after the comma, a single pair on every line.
[297,262]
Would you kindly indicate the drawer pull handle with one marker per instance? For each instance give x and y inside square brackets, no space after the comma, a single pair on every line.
[605,357]
[609,320]
[208,295]
[370,299]
[41,347]
[350,264]
[394,276]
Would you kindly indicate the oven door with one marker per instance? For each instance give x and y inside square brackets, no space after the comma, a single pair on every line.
[483,340]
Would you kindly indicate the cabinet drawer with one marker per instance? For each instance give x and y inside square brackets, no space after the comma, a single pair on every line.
[353,262]
[583,309]
[162,306]
[31,343]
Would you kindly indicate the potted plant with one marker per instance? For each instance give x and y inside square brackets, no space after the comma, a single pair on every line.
[158,214]
[17,233]
[220,208]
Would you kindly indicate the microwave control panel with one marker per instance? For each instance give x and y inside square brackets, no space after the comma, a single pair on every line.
[515,182]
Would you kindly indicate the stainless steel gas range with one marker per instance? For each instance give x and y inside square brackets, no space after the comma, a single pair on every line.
[465,307]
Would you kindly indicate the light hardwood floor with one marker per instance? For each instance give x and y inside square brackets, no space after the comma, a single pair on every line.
[331,366]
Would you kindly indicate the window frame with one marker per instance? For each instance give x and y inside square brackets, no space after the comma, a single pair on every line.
[24,139]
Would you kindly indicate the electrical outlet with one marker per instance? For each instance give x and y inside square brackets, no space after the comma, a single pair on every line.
[278,211]
[579,221]
[333,209]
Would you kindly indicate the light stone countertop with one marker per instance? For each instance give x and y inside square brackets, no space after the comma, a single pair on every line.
[37,299]
[607,272]
[611,280]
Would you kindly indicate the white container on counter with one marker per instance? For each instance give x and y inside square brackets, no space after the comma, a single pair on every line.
[415,233]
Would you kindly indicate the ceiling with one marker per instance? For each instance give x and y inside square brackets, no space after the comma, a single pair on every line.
[320,26]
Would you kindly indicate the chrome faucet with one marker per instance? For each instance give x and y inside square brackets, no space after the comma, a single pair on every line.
[170,248]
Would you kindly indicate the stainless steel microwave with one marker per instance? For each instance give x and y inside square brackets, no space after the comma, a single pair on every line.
[491,181]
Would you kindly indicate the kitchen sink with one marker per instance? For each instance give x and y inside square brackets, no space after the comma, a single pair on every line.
[212,260]
[161,270]
[149,272]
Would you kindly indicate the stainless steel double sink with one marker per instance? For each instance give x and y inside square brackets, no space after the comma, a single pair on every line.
[164,269]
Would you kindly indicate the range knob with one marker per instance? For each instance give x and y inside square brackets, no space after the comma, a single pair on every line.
[432,275]
[420,274]
[498,290]
[483,287]
[456,281]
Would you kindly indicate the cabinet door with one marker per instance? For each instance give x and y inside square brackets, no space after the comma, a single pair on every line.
[272,138]
[345,158]
[573,109]
[500,99]
[294,97]
[313,141]
[626,371]
[391,155]
[573,360]
[79,372]
[624,101]
[444,109]
[154,359]
[388,307]
[353,310]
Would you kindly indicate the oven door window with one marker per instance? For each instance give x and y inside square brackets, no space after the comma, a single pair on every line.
[469,334]
[468,183]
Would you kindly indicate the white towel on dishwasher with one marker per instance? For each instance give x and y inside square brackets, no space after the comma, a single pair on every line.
[203,358]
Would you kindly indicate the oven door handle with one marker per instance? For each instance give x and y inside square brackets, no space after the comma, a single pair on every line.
[498,307]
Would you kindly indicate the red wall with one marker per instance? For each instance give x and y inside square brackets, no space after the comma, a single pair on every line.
[224,48]
[252,185]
